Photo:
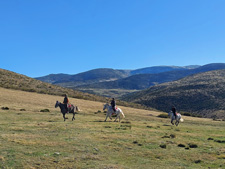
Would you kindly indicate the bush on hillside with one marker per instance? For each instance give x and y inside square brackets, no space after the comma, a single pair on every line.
[186,114]
[5,108]
[163,115]
[45,110]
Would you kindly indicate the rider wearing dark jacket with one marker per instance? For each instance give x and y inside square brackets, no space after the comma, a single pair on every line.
[65,102]
[113,104]
[173,109]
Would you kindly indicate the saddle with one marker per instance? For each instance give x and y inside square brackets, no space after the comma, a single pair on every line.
[69,107]
[114,112]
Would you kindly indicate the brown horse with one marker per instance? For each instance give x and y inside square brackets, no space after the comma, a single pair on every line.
[71,109]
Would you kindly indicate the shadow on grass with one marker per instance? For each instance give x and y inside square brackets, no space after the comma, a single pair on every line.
[102,121]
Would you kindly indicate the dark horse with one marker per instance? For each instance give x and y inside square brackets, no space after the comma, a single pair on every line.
[71,108]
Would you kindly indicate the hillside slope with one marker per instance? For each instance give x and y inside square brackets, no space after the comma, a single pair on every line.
[11,80]
[42,140]
[201,94]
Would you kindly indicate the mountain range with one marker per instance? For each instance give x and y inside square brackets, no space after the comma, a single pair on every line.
[117,83]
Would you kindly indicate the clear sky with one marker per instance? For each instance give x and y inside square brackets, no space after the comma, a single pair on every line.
[40,37]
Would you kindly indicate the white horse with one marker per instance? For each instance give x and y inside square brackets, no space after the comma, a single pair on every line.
[110,112]
[178,118]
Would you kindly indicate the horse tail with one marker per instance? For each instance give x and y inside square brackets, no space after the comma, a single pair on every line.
[77,108]
[122,113]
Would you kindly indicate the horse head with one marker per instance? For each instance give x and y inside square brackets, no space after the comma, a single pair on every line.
[105,106]
[170,112]
[57,103]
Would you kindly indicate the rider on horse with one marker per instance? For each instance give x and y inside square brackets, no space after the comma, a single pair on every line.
[113,104]
[65,102]
[173,109]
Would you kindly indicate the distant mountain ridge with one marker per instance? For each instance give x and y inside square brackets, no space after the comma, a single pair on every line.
[143,81]
[161,69]
[106,78]
[88,77]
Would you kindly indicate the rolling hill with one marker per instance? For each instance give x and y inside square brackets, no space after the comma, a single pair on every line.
[12,80]
[201,94]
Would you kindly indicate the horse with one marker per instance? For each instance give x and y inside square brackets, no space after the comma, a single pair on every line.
[71,109]
[178,119]
[110,112]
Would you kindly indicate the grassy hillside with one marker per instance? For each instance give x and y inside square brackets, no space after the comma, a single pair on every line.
[201,94]
[34,139]
[11,80]
[16,81]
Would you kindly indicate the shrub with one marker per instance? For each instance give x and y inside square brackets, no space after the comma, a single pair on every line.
[220,141]
[198,161]
[210,138]
[135,142]
[187,114]
[163,115]
[172,135]
[191,145]
[163,145]
[181,145]
[45,110]
[5,108]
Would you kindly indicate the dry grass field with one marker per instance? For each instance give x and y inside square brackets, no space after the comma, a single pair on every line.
[33,139]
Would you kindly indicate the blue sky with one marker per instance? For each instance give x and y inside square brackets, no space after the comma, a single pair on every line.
[40,37]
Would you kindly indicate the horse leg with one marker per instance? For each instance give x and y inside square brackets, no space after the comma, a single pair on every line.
[106,117]
[110,115]
[73,117]
[116,118]
[64,117]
